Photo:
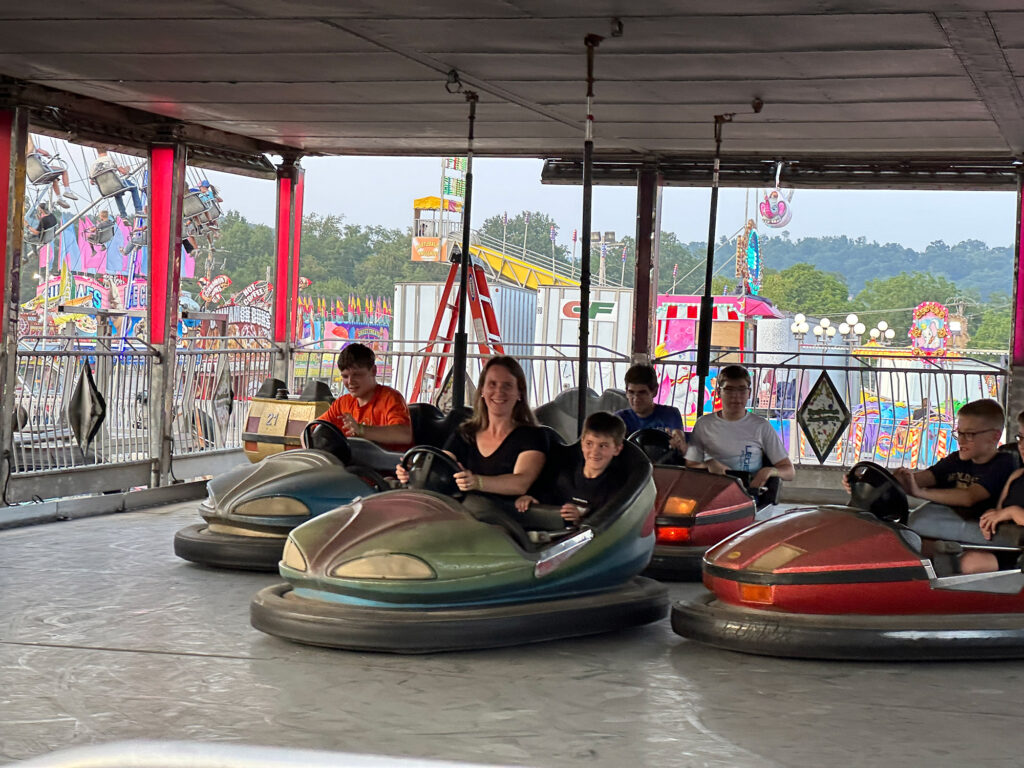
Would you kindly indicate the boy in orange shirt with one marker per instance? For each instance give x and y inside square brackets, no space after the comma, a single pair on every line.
[369,410]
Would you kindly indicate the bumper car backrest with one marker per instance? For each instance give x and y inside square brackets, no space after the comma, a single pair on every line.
[316,391]
[557,455]
[366,453]
[561,413]
[270,387]
[1011,448]
[432,427]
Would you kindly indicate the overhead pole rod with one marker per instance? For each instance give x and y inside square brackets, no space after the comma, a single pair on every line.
[461,341]
[591,41]
[707,299]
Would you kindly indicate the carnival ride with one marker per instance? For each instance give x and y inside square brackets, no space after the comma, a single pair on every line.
[416,571]
[304,469]
[858,582]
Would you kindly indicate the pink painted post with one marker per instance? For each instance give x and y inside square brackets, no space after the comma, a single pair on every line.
[293,313]
[284,243]
[1017,358]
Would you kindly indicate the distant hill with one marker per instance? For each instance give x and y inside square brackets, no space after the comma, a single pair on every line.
[972,264]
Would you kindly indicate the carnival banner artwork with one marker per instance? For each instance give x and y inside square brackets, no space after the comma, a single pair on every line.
[929,330]
[748,259]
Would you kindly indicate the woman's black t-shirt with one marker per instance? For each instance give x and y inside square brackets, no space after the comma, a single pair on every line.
[503,460]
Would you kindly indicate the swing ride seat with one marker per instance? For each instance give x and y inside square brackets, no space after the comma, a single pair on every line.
[45,237]
[212,212]
[101,234]
[110,182]
[193,205]
[39,171]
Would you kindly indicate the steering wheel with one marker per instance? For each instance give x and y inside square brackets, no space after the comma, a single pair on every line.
[431,469]
[875,490]
[325,436]
[655,443]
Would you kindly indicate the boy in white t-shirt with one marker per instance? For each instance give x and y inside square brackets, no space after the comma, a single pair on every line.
[733,440]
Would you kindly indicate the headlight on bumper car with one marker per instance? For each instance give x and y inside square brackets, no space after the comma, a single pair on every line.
[391,566]
[275,506]
[679,506]
[292,556]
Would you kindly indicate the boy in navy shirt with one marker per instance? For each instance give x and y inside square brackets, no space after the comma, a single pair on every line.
[588,484]
[644,413]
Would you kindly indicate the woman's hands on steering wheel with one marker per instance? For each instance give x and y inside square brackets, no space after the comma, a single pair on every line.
[467,481]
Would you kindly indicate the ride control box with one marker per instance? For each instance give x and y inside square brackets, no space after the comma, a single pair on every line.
[275,421]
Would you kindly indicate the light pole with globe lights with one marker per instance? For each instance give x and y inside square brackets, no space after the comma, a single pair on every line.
[882,333]
[799,327]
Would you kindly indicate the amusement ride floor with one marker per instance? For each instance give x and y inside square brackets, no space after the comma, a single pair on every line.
[107,636]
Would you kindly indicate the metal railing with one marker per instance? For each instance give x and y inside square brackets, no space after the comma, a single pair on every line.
[902,408]
[49,370]
[249,362]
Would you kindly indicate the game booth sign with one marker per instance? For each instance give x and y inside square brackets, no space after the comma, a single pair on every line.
[676,332]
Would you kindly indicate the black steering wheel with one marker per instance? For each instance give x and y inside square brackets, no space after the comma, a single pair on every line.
[431,469]
[325,436]
[656,444]
[875,490]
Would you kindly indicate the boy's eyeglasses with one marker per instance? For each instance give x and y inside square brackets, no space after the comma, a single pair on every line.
[962,435]
[737,390]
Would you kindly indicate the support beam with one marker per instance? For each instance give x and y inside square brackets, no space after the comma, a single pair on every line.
[645,280]
[1015,397]
[287,176]
[13,141]
[296,254]
[984,58]
[166,188]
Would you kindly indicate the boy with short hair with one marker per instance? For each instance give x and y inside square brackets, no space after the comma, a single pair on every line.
[733,439]
[967,480]
[644,413]
[588,484]
[369,410]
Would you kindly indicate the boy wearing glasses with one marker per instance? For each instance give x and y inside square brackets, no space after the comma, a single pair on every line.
[735,440]
[969,479]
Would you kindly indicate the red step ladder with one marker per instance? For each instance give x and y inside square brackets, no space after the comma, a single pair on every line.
[484,321]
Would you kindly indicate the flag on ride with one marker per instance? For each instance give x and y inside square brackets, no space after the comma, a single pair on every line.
[623,254]
[604,250]
[574,237]
[526,217]
[504,219]
[552,233]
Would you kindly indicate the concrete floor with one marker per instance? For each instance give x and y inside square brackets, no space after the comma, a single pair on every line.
[107,636]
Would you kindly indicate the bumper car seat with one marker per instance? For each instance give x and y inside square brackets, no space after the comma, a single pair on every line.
[432,427]
[561,413]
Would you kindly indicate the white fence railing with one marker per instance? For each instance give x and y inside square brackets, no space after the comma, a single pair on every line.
[903,409]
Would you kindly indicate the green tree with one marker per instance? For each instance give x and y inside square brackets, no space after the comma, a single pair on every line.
[893,299]
[993,323]
[803,288]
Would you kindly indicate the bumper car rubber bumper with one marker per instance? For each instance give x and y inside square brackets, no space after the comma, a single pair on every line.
[851,637]
[197,544]
[276,610]
[670,561]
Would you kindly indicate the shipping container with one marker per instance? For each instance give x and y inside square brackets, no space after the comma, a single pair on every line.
[557,336]
[416,306]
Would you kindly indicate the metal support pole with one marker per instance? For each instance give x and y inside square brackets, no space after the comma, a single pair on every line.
[166,189]
[1015,396]
[13,142]
[460,358]
[295,252]
[645,279]
[591,41]
[286,183]
[707,300]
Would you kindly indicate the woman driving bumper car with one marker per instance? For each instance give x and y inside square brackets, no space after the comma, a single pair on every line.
[414,570]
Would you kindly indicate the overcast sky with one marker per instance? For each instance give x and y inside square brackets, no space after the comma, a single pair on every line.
[381,190]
